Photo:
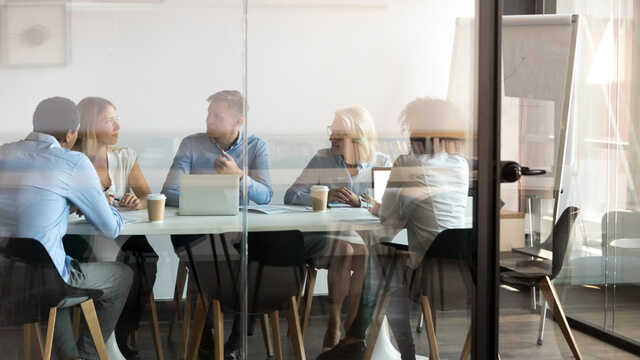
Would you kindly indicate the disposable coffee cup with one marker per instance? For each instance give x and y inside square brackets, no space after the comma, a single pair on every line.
[319,195]
[155,207]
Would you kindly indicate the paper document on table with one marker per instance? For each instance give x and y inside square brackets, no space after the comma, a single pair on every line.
[125,221]
[364,219]
[273,209]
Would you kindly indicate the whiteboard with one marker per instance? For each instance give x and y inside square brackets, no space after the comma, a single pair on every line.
[537,59]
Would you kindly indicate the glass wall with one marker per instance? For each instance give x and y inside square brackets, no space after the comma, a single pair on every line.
[599,285]
[354,95]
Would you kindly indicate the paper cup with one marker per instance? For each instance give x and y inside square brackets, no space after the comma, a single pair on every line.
[319,195]
[155,207]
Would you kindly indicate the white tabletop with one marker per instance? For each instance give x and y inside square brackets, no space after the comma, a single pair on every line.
[627,243]
[341,219]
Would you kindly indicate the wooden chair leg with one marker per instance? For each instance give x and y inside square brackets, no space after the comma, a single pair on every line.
[376,322]
[308,298]
[76,322]
[551,295]
[198,324]
[294,327]
[466,348]
[32,337]
[134,338]
[431,330]
[91,317]
[48,344]
[181,279]
[185,329]
[218,330]
[155,329]
[275,330]
[266,334]
[26,341]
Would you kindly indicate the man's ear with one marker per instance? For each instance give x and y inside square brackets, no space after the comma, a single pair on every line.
[239,121]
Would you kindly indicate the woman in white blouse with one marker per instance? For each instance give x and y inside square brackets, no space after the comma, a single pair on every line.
[124,183]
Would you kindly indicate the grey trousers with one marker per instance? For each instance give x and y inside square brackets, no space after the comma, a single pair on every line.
[114,279]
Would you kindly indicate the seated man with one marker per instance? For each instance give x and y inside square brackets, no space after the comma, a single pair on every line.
[219,151]
[41,180]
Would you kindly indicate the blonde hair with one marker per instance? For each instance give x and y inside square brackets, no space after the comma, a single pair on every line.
[358,123]
[436,125]
[89,108]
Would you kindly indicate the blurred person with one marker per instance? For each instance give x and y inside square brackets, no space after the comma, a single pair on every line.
[220,151]
[121,177]
[346,169]
[41,183]
[426,194]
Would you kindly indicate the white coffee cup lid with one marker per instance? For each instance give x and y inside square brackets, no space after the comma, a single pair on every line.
[319,188]
[156,197]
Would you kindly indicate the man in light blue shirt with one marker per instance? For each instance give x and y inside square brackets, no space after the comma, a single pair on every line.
[219,151]
[41,181]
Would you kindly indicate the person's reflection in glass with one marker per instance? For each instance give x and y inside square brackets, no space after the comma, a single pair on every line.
[126,186]
[346,169]
[426,194]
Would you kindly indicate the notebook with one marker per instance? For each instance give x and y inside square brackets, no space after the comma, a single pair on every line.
[379,179]
[209,195]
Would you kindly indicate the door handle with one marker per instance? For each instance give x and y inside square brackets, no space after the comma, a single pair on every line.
[512,171]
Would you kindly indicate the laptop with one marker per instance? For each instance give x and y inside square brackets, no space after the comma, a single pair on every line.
[209,195]
[379,179]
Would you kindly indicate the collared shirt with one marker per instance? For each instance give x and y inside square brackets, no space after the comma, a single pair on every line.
[331,170]
[425,194]
[197,154]
[39,182]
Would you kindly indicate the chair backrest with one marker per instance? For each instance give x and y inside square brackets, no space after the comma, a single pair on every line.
[560,237]
[619,224]
[448,273]
[30,281]
[275,269]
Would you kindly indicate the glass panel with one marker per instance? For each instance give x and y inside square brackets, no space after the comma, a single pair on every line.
[332,90]
[156,62]
[601,173]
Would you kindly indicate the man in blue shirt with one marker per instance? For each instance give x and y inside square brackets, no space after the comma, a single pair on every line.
[219,151]
[41,181]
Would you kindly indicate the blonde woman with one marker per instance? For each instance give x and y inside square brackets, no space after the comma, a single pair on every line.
[122,179]
[346,169]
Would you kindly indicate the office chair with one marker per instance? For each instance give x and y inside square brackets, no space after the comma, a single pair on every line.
[275,269]
[449,264]
[35,283]
[541,273]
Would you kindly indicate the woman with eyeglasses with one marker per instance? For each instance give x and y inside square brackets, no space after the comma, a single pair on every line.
[127,188]
[345,168]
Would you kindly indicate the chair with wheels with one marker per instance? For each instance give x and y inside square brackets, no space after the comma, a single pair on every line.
[31,282]
[541,273]
[275,271]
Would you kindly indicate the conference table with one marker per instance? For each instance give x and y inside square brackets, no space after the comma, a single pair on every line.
[281,218]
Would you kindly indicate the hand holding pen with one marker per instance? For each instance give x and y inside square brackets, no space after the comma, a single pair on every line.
[128,200]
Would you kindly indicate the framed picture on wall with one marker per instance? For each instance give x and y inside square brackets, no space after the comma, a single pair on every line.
[35,35]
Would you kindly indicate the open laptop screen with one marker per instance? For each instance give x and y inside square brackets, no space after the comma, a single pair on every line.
[379,179]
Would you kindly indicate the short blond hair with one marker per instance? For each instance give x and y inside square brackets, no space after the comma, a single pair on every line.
[89,108]
[233,98]
[359,124]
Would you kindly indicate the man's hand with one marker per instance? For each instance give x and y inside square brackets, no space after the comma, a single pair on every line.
[130,201]
[226,165]
[344,195]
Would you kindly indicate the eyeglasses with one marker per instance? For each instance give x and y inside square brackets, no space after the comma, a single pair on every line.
[338,134]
